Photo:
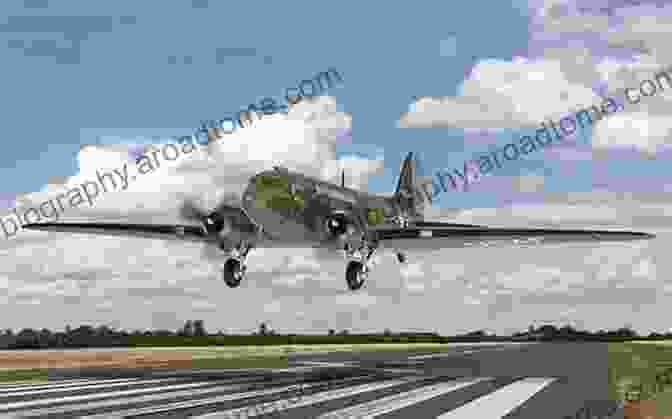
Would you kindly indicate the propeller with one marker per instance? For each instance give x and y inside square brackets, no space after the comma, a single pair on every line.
[216,222]
[191,211]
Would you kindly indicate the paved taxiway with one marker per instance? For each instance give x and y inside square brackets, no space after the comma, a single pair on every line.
[466,381]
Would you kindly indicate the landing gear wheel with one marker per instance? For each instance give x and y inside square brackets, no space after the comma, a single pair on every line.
[401,257]
[355,275]
[233,273]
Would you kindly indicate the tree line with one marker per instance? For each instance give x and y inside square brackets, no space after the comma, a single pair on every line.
[194,333]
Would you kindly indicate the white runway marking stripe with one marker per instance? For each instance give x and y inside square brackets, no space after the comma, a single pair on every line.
[457,353]
[130,381]
[203,402]
[398,401]
[329,364]
[444,354]
[42,383]
[65,386]
[95,396]
[239,370]
[403,371]
[436,355]
[131,400]
[501,402]
[280,405]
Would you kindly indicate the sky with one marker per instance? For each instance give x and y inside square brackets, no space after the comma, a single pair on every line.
[87,85]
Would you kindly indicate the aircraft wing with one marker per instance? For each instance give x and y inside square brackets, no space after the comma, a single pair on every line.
[436,235]
[158,231]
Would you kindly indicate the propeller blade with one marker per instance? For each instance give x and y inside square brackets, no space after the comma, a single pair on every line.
[226,227]
[219,225]
[228,200]
[190,211]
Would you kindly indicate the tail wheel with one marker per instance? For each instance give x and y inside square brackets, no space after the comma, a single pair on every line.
[355,275]
[233,273]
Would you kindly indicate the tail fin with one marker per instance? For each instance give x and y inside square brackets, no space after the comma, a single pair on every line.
[410,192]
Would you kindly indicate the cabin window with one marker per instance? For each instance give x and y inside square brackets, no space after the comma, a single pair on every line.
[376,216]
[275,192]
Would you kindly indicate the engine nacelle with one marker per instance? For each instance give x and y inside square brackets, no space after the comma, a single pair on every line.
[217,223]
[337,225]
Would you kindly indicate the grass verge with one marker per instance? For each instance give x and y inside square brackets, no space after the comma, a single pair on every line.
[276,350]
[664,403]
[209,357]
[635,372]
[27,375]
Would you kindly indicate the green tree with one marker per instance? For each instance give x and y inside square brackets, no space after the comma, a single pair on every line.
[199,329]
[188,329]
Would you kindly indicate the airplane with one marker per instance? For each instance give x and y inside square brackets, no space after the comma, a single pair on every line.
[283,208]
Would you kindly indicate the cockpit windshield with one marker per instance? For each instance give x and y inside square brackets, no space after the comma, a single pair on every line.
[276,192]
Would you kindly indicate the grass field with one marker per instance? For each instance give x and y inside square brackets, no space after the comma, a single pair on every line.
[34,365]
[653,342]
[36,375]
[25,375]
[664,403]
[633,367]
[273,350]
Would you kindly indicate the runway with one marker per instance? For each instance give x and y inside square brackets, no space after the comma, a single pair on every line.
[495,381]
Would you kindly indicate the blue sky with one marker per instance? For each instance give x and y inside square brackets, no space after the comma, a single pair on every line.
[125,86]
[100,73]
